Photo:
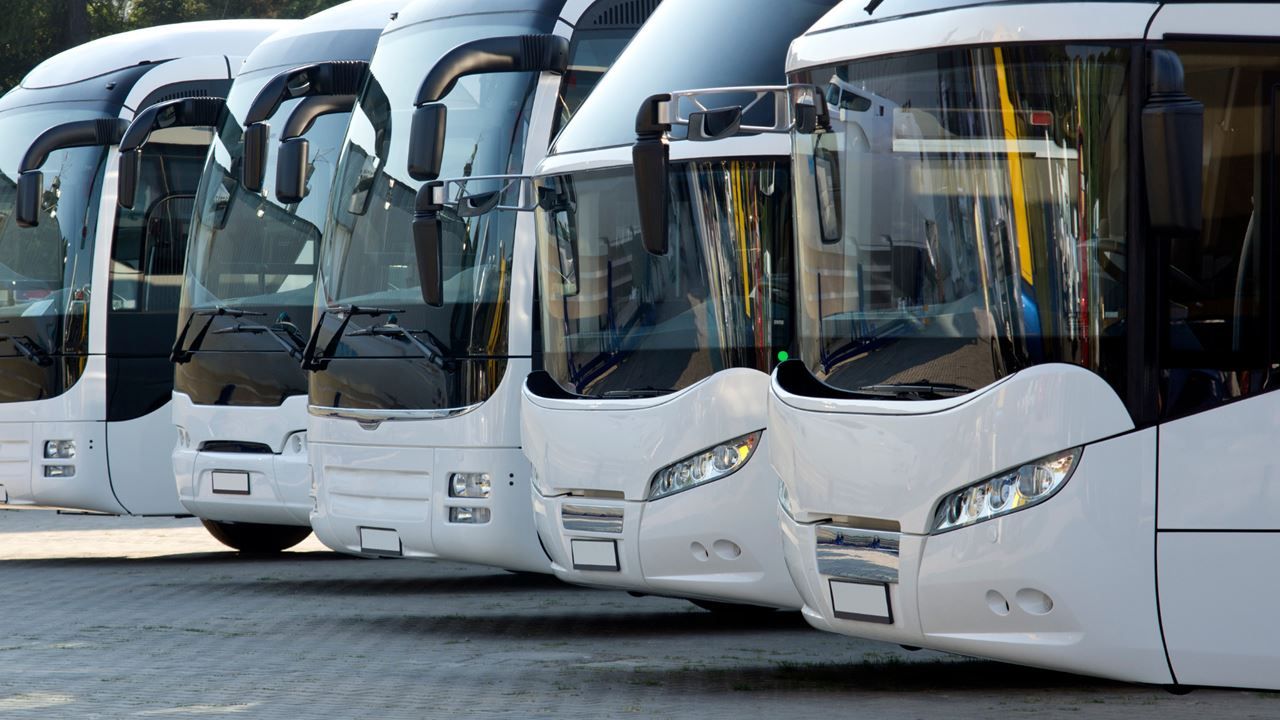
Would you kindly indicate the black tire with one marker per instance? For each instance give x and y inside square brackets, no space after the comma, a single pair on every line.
[724,609]
[255,538]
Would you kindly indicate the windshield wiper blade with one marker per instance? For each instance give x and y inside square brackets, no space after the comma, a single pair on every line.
[179,355]
[918,388]
[284,333]
[29,349]
[314,358]
[430,348]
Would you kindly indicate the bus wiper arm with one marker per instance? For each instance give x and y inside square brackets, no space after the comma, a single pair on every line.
[429,348]
[920,388]
[315,358]
[179,355]
[290,339]
[29,349]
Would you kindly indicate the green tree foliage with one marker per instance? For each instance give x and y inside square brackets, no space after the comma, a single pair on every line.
[33,30]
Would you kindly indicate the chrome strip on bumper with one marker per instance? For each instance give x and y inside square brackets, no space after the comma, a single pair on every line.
[377,417]
[866,555]
[584,518]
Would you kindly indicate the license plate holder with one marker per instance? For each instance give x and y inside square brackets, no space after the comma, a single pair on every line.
[380,541]
[230,482]
[598,555]
[864,602]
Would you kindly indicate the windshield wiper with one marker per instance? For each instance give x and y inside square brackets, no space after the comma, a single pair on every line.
[917,388]
[313,358]
[873,6]
[179,355]
[29,349]
[283,331]
[431,348]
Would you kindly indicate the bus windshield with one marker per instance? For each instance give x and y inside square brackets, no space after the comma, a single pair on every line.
[45,272]
[963,218]
[620,322]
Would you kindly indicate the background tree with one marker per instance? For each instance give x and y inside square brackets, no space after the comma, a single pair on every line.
[33,30]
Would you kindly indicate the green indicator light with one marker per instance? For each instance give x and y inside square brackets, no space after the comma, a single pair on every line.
[783,356]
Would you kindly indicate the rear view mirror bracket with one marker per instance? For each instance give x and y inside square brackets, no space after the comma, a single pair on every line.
[336,79]
[513,53]
[187,112]
[81,133]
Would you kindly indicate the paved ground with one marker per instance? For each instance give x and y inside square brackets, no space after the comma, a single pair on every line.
[116,618]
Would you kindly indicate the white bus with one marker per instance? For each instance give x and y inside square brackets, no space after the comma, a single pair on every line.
[240,394]
[1033,418]
[424,326]
[664,308]
[89,290]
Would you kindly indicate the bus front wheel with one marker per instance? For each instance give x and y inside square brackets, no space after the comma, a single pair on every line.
[256,538]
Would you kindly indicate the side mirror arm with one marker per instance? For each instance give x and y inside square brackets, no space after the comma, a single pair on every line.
[81,133]
[188,112]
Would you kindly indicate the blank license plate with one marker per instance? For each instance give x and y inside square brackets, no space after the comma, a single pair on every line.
[230,483]
[380,541]
[861,601]
[595,555]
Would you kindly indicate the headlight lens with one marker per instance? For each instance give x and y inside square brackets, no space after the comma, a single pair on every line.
[1007,492]
[701,468]
[59,449]
[470,485]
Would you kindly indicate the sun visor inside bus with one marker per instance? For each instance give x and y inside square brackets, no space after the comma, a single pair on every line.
[81,133]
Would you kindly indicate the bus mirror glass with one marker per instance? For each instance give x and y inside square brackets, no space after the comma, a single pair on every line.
[254,166]
[426,141]
[30,188]
[291,170]
[127,188]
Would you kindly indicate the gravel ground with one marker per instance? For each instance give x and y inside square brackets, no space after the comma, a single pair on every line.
[122,617]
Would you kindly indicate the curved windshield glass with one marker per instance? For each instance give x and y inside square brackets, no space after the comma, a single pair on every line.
[620,322]
[964,218]
[689,45]
[368,256]
[253,254]
[45,272]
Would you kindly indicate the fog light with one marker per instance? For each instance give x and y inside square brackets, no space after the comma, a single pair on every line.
[59,471]
[470,485]
[469,516]
[59,449]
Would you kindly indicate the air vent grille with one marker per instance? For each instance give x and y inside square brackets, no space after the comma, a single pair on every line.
[624,14]
[183,95]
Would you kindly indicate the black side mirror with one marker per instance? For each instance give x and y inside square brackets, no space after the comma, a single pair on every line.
[80,133]
[291,170]
[1173,149]
[291,164]
[30,188]
[426,143]
[253,163]
[187,112]
[333,84]
[717,124]
[652,159]
[514,53]
[427,231]
[810,117]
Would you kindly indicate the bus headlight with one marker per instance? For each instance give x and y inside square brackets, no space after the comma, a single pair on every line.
[704,467]
[59,449]
[1007,492]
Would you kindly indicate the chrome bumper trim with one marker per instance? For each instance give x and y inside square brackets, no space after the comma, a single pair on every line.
[585,518]
[373,418]
[866,555]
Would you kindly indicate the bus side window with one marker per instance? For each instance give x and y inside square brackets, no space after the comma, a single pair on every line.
[1217,314]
